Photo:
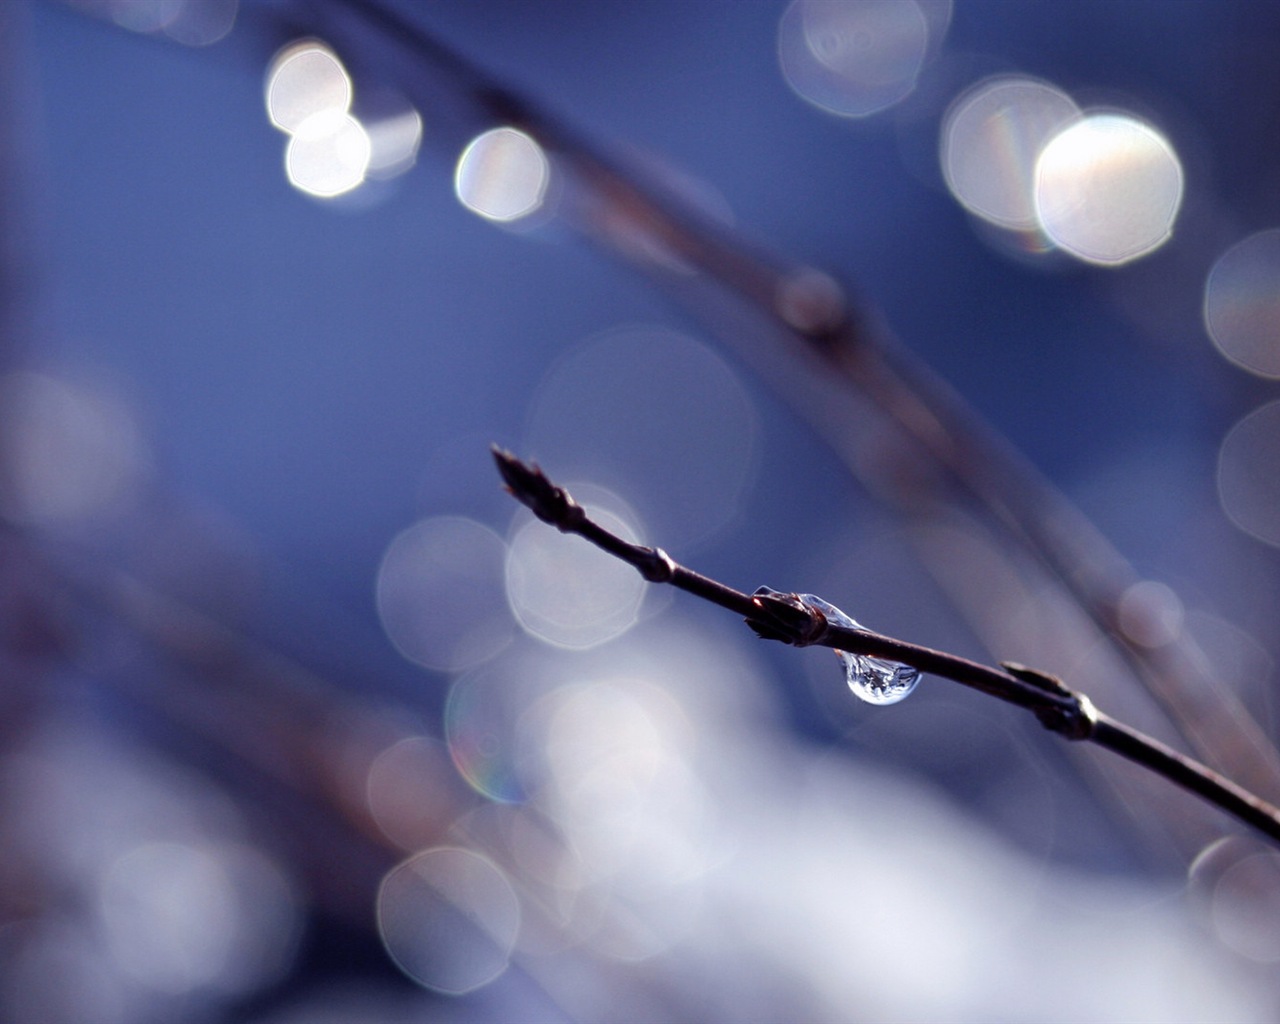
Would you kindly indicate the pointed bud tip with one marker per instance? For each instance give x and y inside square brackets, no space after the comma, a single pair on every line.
[515,474]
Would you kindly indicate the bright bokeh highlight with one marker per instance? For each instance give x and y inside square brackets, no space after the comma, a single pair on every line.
[308,97]
[992,137]
[306,80]
[502,175]
[1108,189]
[1242,304]
[1249,474]
[620,784]
[854,57]
[449,918]
[618,827]
[328,155]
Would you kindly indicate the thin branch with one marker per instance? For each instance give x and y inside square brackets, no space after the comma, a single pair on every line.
[791,620]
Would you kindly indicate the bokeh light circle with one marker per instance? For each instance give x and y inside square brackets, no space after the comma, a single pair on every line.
[1242,303]
[619,782]
[992,137]
[482,725]
[1245,907]
[657,418]
[182,917]
[1108,189]
[411,791]
[394,140]
[144,16]
[203,22]
[502,175]
[565,591]
[70,452]
[1235,883]
[328,155]
[308,96]
[1249,474]
[449,918]
[1151,614]
[190,22]
[304,80]
[853,57]
[441,593]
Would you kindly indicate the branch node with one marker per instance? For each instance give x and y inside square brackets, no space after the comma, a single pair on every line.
[655,565]
[1075,720]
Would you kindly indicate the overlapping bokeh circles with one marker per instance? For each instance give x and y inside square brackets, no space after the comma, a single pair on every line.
[655,417]
[855,58]
[309,96]
[567,592]
[992,136]
[1108,189]
[484,719]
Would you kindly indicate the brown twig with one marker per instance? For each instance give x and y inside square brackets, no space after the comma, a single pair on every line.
[791,620]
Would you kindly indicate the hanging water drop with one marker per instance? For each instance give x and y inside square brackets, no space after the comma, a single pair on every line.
[872,679]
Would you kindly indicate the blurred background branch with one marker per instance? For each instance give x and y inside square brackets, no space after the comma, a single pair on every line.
[300,721]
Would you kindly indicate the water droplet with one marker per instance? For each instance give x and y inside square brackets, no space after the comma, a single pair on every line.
[872,679]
